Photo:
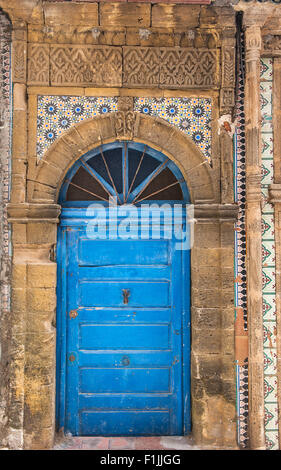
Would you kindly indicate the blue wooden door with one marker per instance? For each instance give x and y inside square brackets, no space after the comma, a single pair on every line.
[125,359]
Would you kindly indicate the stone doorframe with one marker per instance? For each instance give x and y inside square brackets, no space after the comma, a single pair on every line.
[34,235]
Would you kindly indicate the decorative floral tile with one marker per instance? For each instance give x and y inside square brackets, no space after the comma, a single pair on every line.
[266,123]
[267,171]
[268,280]
[269,335]
[270,361]
[56,114]
[265,195]
[271,439]
[268,253]
[271,412]
[266,69]
[191,115]
[267,227]
[269,307]
[267,145]
[270,389]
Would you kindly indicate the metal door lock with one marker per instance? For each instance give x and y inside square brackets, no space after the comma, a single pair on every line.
[125,361]
[126,295]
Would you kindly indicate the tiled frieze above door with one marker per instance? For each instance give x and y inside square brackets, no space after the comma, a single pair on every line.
[57,114]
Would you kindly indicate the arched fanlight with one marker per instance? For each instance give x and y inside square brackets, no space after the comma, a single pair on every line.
[127,172]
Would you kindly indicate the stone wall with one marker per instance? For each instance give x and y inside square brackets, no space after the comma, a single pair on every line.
[5,152]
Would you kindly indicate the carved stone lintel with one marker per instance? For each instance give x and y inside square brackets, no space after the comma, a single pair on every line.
[85,65]
[170,67]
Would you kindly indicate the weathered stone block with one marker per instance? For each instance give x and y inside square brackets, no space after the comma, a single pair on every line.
[19,135]
[209,318]
[227,277]
[18,299]
[205,257]
[19,275]
[48,174]
[206,278]
[38,233]
[207,235]
[125,14]
[227,342]
[41,300]
[229,390]
[42,275]
[19,233]
[227,256]
[227,318]
[204,298]
[71,14]
[228,366]
[206,341]
[44,439]
[175,16]
[42,322]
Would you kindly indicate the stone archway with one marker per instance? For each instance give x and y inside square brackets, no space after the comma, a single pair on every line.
[152,131]
[34,282]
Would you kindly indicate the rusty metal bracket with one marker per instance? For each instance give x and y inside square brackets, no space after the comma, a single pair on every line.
[73,314]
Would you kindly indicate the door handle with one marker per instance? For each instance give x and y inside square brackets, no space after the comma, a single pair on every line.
[126,295]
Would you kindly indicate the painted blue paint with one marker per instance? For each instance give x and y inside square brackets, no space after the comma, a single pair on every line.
[131,338]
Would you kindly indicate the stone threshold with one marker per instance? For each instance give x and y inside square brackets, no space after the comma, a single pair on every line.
[125,443]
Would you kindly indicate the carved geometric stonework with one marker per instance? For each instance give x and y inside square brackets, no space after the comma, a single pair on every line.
[272,43]
[188,68]
[141,66]
[86,65]
[38,64]
[227,98]
[126,103]
[169,67]
[19,61]
[228,67]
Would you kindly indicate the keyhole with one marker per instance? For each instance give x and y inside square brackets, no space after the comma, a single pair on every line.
[125,361]
[126,294]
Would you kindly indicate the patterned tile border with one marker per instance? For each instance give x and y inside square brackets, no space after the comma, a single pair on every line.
[56,114]
[268,263]
[240,261]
